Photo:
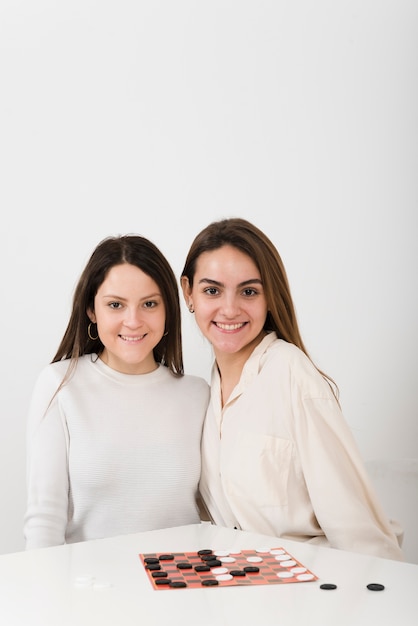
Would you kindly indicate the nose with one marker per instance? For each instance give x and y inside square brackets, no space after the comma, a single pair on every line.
[133,318]
[230,307]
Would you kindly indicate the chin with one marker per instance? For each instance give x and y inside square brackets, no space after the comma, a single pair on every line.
[227,348]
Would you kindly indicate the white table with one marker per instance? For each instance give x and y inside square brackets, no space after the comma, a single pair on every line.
[40,587]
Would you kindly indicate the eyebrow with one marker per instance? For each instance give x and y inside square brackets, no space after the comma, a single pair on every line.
[209,281]
[115,297]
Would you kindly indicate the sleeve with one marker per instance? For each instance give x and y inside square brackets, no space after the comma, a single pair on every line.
[47,467]
[342,496]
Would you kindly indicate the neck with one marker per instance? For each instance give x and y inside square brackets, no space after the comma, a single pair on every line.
[230,371]
[230,366]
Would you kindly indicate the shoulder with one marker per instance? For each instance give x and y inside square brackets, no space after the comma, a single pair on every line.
[187,384]
[281,351]
[191,382]
[290,362]
[53,373]
[44,391]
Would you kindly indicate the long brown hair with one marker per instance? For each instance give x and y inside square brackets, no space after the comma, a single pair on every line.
[142,253]
[246,237]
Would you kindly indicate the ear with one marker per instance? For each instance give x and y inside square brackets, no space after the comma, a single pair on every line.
[187,291]
[91,315]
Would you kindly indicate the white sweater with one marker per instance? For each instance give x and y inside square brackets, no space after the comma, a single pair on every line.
[280,459]
[113,453]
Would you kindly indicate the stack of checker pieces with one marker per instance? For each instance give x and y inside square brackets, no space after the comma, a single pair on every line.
[221,568]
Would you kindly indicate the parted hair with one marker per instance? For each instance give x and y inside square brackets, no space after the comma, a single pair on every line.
[249,239]
[134,250]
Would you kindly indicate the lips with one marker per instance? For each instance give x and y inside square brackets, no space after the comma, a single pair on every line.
[229,327]
[132,339]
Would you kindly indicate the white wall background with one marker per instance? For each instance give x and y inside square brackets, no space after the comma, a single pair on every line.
[159,117]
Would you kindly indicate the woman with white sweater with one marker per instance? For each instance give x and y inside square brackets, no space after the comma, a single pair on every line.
[114,425]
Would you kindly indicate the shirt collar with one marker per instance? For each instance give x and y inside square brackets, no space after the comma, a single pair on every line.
[249,371]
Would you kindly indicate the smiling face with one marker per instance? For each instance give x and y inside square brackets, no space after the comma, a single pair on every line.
[229,301]
[130,315]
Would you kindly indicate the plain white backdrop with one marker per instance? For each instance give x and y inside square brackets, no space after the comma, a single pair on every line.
[159,117]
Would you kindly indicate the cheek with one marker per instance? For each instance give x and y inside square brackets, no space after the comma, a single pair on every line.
[103,328]
[202,316]
[104,322]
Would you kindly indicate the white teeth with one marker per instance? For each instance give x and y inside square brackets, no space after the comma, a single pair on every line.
[132,338]
[229,326]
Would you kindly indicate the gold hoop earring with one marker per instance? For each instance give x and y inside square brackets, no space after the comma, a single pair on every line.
[191,309]
[89,332]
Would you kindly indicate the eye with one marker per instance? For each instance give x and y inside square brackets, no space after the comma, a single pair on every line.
[250,291]
[150,304]
[115,305]
[211,291]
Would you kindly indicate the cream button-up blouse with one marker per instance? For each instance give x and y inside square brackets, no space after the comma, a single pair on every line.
[280,459]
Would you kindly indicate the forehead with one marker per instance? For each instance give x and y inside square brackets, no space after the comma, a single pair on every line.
[226,263]
[127,277]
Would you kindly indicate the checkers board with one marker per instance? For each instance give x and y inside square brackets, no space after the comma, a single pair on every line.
[222,568]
